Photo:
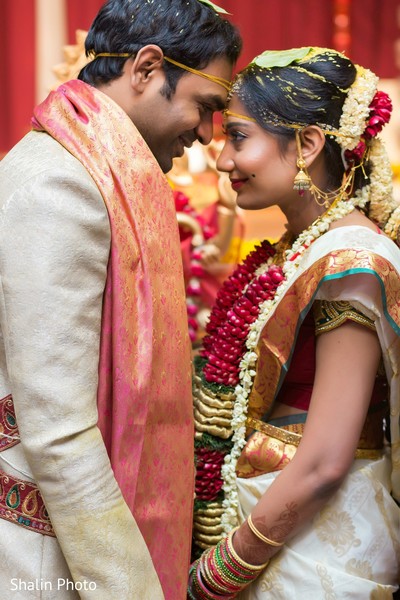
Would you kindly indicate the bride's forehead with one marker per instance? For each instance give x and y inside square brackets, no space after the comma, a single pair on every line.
[235,102]
[235,106]
[233,115]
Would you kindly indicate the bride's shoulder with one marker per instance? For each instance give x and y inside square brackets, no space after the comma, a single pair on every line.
[355,218]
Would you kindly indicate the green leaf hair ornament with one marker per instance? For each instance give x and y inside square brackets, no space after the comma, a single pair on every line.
[281,58]
[217,9]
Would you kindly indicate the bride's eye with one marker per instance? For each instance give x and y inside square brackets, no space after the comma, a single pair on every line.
[235,135]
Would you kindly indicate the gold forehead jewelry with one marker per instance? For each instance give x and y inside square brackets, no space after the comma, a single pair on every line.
[277,123]
[229,113]
[219,80]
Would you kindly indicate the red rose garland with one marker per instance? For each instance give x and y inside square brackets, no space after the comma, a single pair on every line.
[236,308]
[208,473]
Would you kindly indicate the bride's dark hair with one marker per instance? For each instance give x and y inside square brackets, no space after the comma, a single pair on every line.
[308,93]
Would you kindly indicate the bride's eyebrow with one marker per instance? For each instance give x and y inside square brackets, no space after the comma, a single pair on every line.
[233,124]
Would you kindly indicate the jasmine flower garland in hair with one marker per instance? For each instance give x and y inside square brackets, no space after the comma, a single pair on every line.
[392,228]
[379,191]
[371,150]
[356,108]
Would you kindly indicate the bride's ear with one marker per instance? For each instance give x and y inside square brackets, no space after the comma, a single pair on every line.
[312,143]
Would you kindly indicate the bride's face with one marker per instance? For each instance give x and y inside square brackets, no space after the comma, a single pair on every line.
[260,172]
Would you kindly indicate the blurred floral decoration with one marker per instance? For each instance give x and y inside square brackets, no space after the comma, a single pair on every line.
[206,211]
[75,59]
[193,231]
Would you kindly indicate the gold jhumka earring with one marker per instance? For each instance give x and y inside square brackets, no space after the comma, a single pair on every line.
[302,182]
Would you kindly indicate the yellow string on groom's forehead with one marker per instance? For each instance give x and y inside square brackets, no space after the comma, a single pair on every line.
[219,80]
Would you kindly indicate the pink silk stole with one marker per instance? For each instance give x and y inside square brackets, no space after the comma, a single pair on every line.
[144,394]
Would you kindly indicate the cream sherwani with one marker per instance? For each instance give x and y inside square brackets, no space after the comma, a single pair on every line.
[54,226]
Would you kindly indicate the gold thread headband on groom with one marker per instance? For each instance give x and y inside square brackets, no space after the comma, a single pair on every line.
[219,80]
[224,82]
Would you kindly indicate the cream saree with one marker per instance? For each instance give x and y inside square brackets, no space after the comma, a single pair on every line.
[352,547]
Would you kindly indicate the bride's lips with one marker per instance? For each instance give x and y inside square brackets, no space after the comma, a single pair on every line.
[237,183]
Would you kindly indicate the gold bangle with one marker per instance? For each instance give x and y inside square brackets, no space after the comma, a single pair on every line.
[240,561]
[260,535]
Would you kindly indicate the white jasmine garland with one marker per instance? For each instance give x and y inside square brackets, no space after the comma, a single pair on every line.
[392,228]
[229,518]
[356,109]
[380,188]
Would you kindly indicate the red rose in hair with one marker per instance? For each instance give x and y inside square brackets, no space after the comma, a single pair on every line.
[380,112]
[381,108]
[356,155]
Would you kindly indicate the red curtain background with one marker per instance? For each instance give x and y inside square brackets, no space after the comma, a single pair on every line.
[277,24]
[17,68]
[373,27]
[80,15]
